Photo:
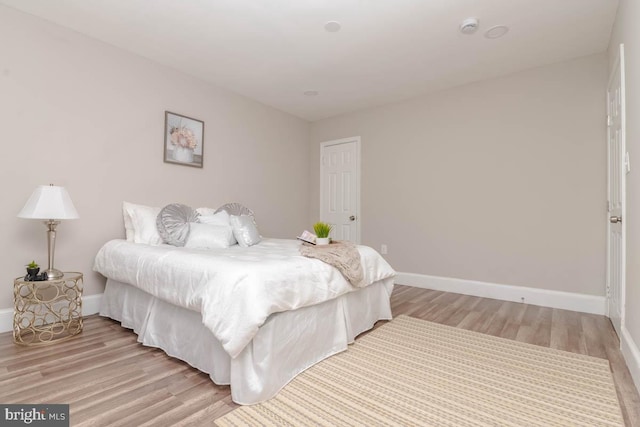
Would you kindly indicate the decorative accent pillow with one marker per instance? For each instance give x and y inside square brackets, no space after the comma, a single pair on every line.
[173,223]
[245,230]
[235,208]
[140,223]
[207,236]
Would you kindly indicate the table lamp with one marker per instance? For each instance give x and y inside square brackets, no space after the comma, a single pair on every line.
[51,203]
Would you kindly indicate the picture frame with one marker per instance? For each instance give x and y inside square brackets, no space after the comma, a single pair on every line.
[183,140]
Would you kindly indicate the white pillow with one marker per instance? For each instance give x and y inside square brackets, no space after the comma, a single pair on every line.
[205,211]
[221,218]
[245,230]
[207,236]
[126,216]
[140,223]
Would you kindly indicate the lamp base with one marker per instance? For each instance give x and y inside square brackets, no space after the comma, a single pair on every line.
[53,274]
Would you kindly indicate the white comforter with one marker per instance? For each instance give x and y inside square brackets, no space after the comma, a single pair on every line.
[234,289]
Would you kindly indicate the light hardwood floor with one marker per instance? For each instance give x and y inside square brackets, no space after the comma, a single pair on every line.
[110,379]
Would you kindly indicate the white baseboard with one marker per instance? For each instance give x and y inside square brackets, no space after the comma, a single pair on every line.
[544,297]
[631,355]
[6,319]
[90,305]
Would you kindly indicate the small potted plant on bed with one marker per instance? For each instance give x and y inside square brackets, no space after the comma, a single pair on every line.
[322,230]
[32,269]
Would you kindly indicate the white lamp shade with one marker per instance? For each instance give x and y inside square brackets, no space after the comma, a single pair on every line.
[49,202]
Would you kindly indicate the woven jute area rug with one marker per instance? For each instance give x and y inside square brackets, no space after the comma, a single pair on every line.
[411,372]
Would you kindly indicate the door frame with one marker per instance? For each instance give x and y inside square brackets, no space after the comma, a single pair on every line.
[358,213]
[618,67]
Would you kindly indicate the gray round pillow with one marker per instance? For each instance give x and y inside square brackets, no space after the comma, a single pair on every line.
[173,223]
[235,208]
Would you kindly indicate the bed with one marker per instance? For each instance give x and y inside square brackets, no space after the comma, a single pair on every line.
[250,317]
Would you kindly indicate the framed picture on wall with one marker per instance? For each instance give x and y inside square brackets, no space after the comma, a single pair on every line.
[183,140]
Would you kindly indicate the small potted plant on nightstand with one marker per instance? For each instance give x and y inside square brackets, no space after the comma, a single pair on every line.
[322,230]
[32,270]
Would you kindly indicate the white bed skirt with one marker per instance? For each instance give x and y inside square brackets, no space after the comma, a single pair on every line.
[287,343]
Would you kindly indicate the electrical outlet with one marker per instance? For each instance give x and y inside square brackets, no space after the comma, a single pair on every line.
[383,249]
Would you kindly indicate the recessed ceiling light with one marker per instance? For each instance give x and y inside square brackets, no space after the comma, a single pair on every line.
[496,32]
[332,26]
[469,26]
[310,93]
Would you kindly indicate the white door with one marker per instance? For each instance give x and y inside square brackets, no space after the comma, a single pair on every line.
[617,169]
[340,187]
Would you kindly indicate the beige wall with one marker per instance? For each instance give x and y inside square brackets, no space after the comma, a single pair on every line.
[79,113]
[502,181]
[627,31]
[499,181]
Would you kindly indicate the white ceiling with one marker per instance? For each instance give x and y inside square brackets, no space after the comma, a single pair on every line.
[388,50]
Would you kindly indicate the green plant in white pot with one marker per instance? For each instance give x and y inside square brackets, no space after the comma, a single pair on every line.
[322,230]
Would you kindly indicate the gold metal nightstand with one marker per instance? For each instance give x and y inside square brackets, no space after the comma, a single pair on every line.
[48,311]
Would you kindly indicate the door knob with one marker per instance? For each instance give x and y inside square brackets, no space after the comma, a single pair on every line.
[352,218]
[615,219]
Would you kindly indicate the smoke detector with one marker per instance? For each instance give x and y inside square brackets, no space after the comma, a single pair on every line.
[332,26]
[496,32]
[469,26]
